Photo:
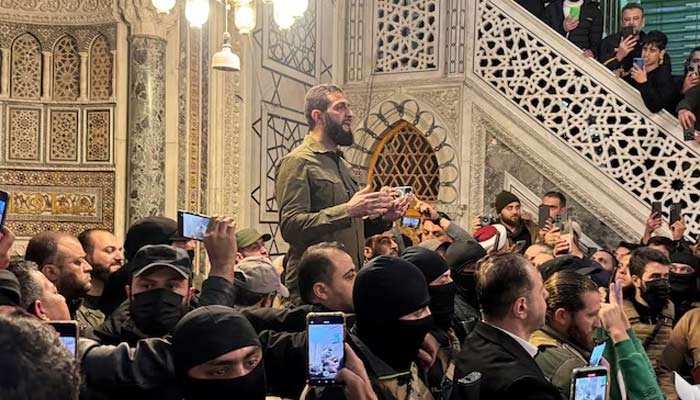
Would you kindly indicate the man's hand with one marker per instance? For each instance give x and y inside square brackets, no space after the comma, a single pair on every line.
[354,376]
[7,238]
[627,44]
[427,210]
[546,228]
[398,208]
[588,53]
[561,248]
[552,237]
[366,202]
[428,352]
[639,74]
[678,229]
[620,73]
[691,80]
[476,224]
[570,24]
[220,242]
[612,314]
[654,222]
[686,118]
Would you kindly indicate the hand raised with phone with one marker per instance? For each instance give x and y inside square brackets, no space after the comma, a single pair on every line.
[366,202]
[220,242]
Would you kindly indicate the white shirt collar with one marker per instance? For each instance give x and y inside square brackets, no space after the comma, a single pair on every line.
[529,347]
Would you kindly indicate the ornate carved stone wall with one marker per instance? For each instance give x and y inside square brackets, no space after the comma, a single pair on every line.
[57,109]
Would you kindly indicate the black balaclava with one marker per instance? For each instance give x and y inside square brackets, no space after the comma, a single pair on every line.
[205,334]
[386,289]
[461,257]
[684,287]
[442,297]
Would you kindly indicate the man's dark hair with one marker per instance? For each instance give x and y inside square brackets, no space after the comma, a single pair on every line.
[632,6]
[667,243]
[85,239]
[557,195]
[43,248]
[643,256]
[689,59]
[566,290]
[317,99]
[628,245]
[316,265]
[655,38]
[30,288]
[612,256]
[34,363]
[500,281]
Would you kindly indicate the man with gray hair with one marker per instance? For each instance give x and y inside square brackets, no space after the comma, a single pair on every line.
[316,192]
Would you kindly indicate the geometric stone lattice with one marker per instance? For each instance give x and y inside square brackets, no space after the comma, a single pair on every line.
[597,123]
[100,69]
[26,67]
[66,69]
[64,136]
[405,158]
[24,134]
[98,134]
[66,201]
[296,47]
[406,35]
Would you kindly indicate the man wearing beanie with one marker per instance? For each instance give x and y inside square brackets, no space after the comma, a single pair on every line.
[683,278]
[392,319]
[510,215]
[462,257]
[442,305]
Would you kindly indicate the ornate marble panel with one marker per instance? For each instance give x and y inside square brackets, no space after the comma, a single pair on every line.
[68,201]
[23,132]
[26,67]
[195,119]
[48,35]
[294,52]
[63,135]
[98,138]
[100,69]
[70,12]
[66,69]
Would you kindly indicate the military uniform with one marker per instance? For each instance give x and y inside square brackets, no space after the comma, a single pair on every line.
[558,357]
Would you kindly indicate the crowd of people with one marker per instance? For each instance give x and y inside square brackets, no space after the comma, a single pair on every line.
[506,311]
[634,55]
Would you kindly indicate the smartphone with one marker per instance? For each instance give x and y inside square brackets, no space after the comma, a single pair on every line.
[589,383]
[575,12]
[656,208]
[627,31]
[191,225]
[410,222]
[689,134]
[675,212]
[67,332]
[4,203]
[596,355]
[404,190]
[544,215]
[639,62]
[325,351]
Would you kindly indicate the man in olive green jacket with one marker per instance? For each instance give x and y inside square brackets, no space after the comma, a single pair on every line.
[317,195]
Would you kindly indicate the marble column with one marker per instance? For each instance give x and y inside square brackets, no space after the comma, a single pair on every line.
[146,127]
[5,72]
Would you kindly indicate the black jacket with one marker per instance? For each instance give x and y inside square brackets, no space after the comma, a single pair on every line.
[535,7]
[507,370]
[691,102]
[466,315]
[608,48]
[589,33]
[659,91]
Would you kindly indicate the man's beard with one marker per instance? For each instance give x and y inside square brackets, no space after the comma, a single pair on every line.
[511,221]
[580,338]
[335,131]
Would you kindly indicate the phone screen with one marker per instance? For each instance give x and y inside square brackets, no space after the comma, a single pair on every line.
[326,353]
[639,62]
[410,222]
[194,226]
[69,342]
[3,206]
[67,332]
[591,386]
[596,355]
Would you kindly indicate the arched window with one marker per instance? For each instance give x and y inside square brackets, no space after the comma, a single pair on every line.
[404,158]
[66,69]
[100,69]
[26,67]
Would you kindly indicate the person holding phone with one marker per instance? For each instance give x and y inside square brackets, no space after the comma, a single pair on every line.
[580,21]
[649,76]
[619,49]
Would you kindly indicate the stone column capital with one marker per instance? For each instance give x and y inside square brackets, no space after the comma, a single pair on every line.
[145,20]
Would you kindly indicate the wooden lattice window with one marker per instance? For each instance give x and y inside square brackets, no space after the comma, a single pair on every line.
[404,158]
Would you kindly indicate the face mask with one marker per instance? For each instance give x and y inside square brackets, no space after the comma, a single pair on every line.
[656,293]
[629,291]
[683,287]
[157,311]
[442,304]
[251,386]
[397,342]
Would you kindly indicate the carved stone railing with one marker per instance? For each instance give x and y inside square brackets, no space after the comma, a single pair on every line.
[582,104]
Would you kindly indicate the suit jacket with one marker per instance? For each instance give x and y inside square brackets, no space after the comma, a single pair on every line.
[507,370]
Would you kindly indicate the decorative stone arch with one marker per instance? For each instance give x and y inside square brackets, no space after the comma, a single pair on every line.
[379,122]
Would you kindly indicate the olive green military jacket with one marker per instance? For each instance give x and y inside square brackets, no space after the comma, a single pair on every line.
[558,357]
[312,188]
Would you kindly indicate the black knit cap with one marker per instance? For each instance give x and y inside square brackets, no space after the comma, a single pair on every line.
[503,199]
[387,288]
[462,253]
[683,257]
[430,263]
[209,332]
[9,289]
[149,230]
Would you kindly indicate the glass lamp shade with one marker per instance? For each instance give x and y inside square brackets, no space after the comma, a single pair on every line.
[245,18]
[226,60]
[197,12]
[282,14]
[163,6]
